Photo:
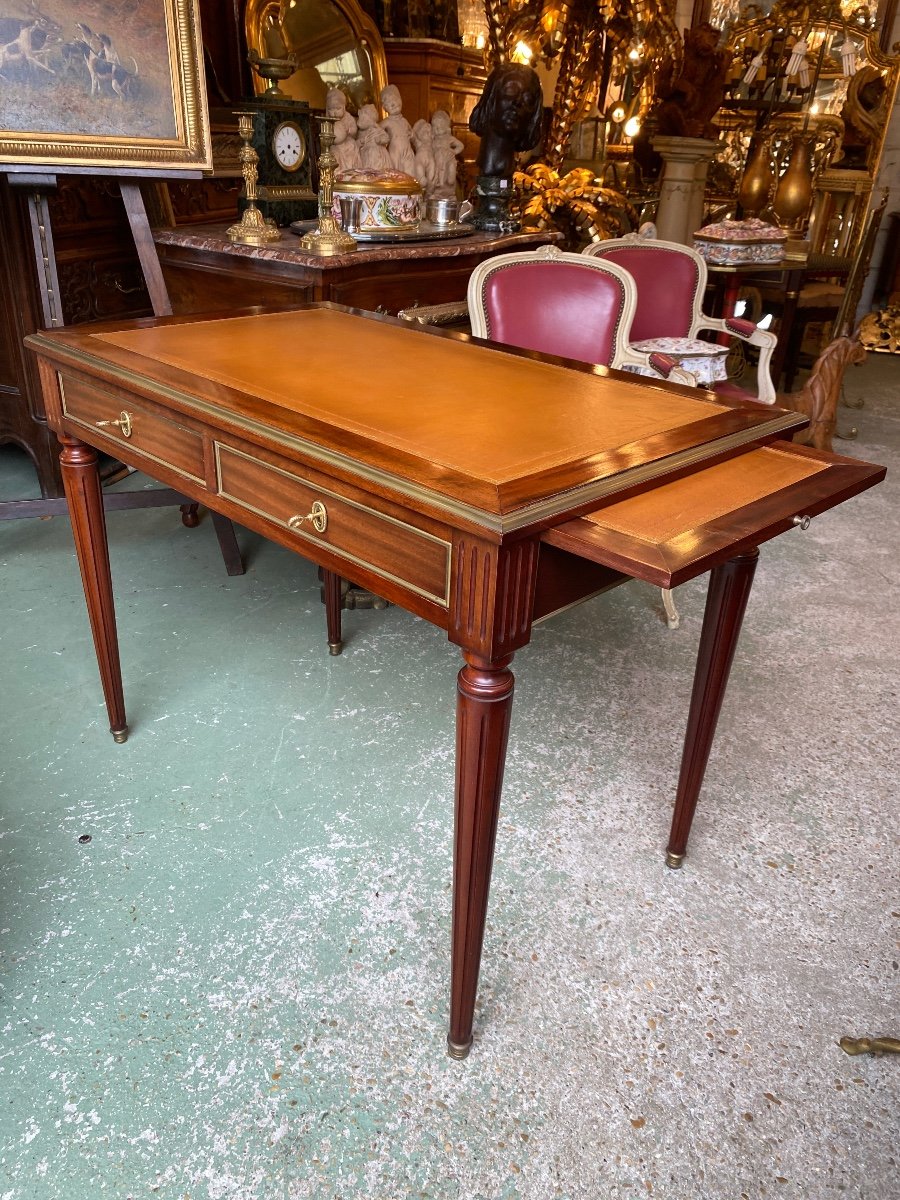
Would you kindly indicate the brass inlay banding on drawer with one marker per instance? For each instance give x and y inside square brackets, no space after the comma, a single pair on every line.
[362,535]
[153,436]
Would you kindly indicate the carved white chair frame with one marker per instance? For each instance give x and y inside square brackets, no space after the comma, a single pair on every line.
[745,331]
[623,354]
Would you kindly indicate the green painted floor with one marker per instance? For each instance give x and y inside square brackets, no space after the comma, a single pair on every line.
[225,943]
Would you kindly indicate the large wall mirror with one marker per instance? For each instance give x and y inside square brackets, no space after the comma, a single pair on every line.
[334,43]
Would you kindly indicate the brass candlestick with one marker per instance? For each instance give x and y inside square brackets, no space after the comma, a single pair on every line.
[328,237]
[253,229]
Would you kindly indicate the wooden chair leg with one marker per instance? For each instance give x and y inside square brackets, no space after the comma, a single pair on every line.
[673,620]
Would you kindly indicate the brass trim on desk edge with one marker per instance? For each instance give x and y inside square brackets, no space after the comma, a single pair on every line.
[129,445]
[497,524]
[443,601]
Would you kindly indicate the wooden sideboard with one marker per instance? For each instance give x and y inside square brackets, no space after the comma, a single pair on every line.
[204,272]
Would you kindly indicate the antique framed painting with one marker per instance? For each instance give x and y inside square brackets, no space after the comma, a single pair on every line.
[115,85]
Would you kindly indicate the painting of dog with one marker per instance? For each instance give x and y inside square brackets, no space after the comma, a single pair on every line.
[87,81]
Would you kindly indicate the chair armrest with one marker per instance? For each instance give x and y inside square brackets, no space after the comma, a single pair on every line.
[680,375]
[668,367]
[739,328]
[665,364]
[765,341]
[661,365]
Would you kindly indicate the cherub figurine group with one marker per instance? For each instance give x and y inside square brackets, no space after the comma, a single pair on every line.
[425,150]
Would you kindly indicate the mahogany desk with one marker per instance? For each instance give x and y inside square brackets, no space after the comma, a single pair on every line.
[481,488]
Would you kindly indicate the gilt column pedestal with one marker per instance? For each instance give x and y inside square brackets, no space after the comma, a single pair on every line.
[685,164]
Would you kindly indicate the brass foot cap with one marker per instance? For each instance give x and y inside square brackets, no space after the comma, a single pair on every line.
[334,648]
[674,860]
[120,735]
[459,1049]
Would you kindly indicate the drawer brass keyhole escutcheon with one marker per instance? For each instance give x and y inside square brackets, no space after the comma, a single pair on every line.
[317,517]
[123,423]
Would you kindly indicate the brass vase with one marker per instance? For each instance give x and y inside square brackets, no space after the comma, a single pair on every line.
[758,179]
[794,194]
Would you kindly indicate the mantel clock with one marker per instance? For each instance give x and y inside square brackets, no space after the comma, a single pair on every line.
[283,140]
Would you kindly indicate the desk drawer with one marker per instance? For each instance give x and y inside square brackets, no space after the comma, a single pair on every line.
[315,514]
[143,430]
[671,533]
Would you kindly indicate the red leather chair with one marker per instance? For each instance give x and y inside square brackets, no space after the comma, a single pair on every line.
[670,280]
[564,304]
[546,300]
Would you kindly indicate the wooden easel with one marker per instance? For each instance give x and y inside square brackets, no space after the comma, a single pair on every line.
[38,185]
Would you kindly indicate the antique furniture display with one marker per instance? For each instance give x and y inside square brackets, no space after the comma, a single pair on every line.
[205,272]
[671,283]
[829,294]
[818,398]
[22,420]
[549,484]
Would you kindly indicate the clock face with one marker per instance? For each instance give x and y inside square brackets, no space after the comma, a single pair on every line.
[289,146]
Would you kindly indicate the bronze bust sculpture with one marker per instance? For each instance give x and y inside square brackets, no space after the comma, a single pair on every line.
[507,118]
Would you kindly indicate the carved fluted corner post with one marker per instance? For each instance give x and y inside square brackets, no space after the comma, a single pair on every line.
[483,707]
[726,601]
[82,484]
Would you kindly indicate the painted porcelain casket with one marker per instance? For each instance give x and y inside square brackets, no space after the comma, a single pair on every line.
[731,243]
[387,199]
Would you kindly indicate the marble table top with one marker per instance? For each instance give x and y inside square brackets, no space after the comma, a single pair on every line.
[214,239]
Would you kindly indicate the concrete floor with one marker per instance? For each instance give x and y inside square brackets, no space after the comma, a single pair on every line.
[225,943]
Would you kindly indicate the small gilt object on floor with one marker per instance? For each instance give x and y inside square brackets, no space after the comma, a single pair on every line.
[876,1045]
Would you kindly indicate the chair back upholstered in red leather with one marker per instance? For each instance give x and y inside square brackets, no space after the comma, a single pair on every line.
[555,308]
[667,284]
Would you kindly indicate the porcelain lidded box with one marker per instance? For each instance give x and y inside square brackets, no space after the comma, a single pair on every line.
[387,199]
[730,243]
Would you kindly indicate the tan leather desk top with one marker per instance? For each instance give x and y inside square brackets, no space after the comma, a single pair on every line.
[496,430]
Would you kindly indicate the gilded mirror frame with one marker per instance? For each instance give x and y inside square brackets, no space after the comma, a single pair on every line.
[263,14]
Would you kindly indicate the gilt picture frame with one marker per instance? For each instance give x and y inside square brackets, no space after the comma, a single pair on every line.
[111,85]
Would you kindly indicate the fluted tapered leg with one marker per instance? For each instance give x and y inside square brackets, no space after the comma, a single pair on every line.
[484,704]
[726,601]
[82,483]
